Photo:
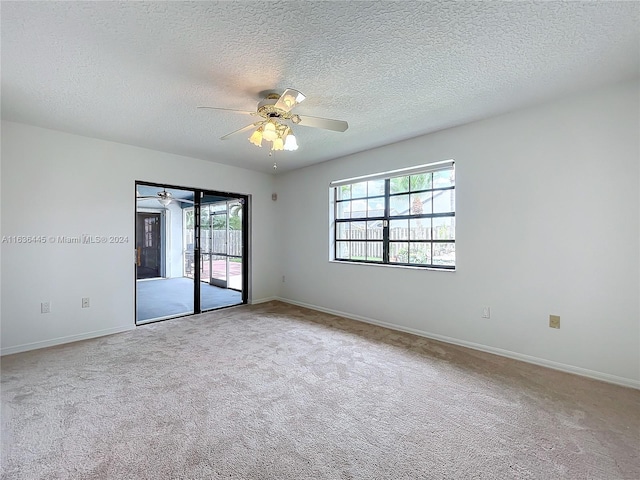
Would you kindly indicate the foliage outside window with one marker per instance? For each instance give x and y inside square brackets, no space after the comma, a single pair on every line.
[397,219]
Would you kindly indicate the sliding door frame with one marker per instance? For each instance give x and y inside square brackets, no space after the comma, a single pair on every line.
[198,195]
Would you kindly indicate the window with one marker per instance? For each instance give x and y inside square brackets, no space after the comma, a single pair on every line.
[403,217]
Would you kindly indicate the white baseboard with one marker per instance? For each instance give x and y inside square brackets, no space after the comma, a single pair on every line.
[85,336]
[584,372]
[264,300]
[62,340]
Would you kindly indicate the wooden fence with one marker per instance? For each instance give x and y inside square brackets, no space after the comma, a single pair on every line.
[233,239]
[371,245]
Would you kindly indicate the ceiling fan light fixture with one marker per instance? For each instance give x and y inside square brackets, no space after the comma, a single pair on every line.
[270,133]
[256,137]
[278,144]
[290,142]
[164,201]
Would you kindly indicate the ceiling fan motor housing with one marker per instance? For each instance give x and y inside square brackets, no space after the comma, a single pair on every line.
[267,109]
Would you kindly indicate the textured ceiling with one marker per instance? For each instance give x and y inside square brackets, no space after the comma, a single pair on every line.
[134,72]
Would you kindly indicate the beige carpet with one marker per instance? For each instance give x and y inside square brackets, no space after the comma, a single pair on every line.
[275,391]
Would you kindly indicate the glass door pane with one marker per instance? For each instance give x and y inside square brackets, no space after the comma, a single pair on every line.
[234,244]
[205,243]
[164,252]
[188,242]
[219,269]
[222,262]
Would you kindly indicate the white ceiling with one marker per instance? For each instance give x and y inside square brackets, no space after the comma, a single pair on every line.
[134,72]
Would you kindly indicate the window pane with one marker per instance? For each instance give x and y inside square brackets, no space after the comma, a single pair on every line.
[359,230]
[399,184]
[398,252]
[358,250]
[399,205]
[374,251]
[358,209]
[220,207]
[444,201]
[375,187]
[344,210]
[374,230]
[420,182]
[399,229]
[359,190]
[443,178]
[444,228]
[420,229]
[420,253]
[420,203]
[375,207]
[444,254]
[342,250]
[343,192]
[342,231]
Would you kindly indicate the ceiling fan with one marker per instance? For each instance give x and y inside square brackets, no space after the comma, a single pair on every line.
[164,197]
[275,113]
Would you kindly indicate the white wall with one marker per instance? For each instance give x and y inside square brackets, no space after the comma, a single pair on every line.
[547,223]
[54,184]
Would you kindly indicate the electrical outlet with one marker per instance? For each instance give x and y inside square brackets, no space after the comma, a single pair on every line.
[486,312]
[85,302]
[554,321]
[45,307]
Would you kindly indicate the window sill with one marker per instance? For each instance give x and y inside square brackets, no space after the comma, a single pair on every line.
[386,265]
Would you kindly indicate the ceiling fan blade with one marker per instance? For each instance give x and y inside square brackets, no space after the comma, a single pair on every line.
[183,200]
[289,99]
[147,198]
[243,129]
[326,123]
[244,112]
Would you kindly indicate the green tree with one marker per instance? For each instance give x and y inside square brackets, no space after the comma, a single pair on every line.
[414,182]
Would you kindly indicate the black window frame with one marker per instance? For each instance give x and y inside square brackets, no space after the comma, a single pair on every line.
[390,254]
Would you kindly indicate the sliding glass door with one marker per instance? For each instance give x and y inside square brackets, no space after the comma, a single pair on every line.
[202,238]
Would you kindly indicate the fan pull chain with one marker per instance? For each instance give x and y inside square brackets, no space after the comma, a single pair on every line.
[275,165]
